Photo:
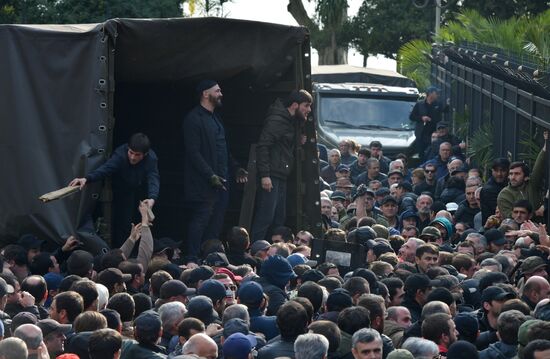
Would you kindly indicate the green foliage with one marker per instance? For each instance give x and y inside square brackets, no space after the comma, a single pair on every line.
[504,9]
[480,147]
[414,62]
[461,122]
[530,147]
[383,26]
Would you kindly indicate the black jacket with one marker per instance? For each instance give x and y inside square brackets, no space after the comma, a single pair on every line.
[201,154]
[466,214]
[277,348]
[127,177]
[488,198]
[277,296]
[275,148]
[434,111]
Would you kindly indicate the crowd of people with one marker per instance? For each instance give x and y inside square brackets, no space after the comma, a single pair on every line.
[455,266]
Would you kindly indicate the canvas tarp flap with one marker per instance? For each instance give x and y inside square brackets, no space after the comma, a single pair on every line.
[51,110]
[189,49]
[355,74]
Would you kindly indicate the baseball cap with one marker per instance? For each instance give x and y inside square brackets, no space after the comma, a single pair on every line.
[277,270]
[442,124]
[381,248]
[338,195]
[495,293]
[30,241]
[467,325]
[258,246]
[495,236]
[233,276]
[80,262]
[430,232]
[235,325]
[23,318]
[461,169]
[5,288]
[111,276]
[200,273]
[313,275]
[296,259]
[451,207]
[238,346]
[49,326]
[174,288]
[216,259]
[148,321]
[388,199]
[53,280]
[431,89]
[342,167]
[213,289]
[383,191]
[339,298]
[250,293]
[419,281]
[531,264]
[409,214]
[393,172]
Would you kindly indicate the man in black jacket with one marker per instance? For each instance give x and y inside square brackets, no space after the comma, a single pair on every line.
[275,158]
[132,167]
[206,167]
[495,184]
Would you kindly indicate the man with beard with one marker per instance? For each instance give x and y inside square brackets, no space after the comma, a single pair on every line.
[372,173]
[275,159]
[495,184]
[407,252]
[523,184]
[206,168]
[424,210]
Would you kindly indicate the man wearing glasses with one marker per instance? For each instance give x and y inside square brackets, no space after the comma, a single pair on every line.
[429,183]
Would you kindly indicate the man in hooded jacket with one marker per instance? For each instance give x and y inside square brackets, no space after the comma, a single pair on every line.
[275,158]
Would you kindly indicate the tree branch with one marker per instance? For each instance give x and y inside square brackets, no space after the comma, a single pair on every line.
[299,13]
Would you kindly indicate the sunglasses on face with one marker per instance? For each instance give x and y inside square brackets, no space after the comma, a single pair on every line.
[429,171]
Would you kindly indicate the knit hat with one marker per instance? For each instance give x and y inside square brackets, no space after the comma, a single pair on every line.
[250,293]
[205,85]
[277,271]
[462,350]
[467,326]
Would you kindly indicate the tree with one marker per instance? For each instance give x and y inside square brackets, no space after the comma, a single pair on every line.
[329,28]
[505,9]
[383,26]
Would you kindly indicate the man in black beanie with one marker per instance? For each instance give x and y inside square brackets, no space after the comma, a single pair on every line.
[206,168]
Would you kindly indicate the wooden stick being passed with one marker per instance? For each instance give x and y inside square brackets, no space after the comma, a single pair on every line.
[60,193]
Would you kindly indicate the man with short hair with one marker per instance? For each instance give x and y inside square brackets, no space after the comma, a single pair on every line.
[207,166]
[373,173]
[522,211]
[397,321]
[131,166]
[359,166]
[66,307]
[328,173]
[417,289]
[508,324]
[491,189]
[523,184]
[429,182]
[32,336]
[424,210]
[389,209]
[13,348]
[536,289]
[468,208]
[537,349]
[377,153]
[275,160]
[465,264]
[440,329]
[426,257]
[366,343]
[407,252]
[492,299]
[105,344]
[311,346]
[54,336]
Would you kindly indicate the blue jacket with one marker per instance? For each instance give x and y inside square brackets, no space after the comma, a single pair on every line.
[127,177]
[259,323]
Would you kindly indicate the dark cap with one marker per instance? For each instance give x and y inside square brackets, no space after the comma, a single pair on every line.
[393,172]
[5,288]
[381,248]
[258,246]
[531,264]
[200,307]
[409,214]
[343,168]
[495,236]
[235,325]
[250,293]
[501,163]
[53,280]
[30,241]
[111,276]
[49,326]
[430,232]
[361,235]
[80,262]
[338,195]
[405,185]
[442,124]
[238,346]
[277,270]
[216,259]
[148,321]
[200,273]
[467,325]
[313,275]
[461,169]
[383,191]
[205,85]
[431,89]
[388,199]
[213,289]
[24,318]
[175,288]
[339,298]
[418,281]
[495,293]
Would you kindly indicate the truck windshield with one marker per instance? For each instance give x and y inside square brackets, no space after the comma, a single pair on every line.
[368,113]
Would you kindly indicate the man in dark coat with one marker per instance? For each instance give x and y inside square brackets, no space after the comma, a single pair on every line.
[495,184]
[207,162]
[275,159]
[132,167]
[426,114]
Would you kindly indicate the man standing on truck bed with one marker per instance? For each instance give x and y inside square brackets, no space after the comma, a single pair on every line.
[207,162]
[427,115]
[275,158]
[132,167]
